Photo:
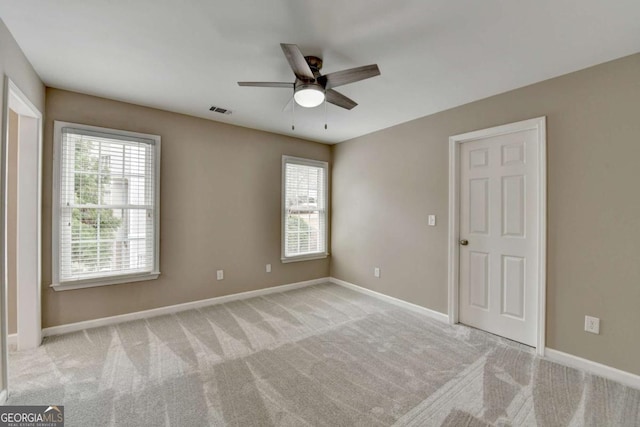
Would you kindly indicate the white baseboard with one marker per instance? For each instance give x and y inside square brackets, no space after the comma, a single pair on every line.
[401,303]
[624,377]
[105,321]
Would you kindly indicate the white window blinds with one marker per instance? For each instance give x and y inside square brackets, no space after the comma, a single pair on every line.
[107,205]
[304,208]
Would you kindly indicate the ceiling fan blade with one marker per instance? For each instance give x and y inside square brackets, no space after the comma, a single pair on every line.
[351,75]
[297,62]
[336,98]
[267,84]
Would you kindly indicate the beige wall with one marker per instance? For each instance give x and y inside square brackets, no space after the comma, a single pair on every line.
[386,183]
[12,212]
[220,209]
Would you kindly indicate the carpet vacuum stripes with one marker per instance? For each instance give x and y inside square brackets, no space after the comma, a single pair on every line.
[317,356]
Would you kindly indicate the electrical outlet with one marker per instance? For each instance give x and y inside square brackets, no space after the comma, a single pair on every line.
[220,274]
[268,268]
[432,220]
[592,324]
[376,272]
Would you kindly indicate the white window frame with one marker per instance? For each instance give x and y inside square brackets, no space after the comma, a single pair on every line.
[56,232]
[283,224]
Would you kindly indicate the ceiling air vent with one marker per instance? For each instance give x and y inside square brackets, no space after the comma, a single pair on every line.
[220,110]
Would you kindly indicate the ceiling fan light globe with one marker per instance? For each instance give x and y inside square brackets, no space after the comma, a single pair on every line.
[309,97]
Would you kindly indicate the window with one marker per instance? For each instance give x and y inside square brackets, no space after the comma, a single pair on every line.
[304,209]
[105,206]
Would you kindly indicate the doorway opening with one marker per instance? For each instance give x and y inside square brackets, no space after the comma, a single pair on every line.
[21,180]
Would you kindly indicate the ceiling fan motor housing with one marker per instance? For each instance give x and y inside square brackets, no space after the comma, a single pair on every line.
[315,64]
[300,85]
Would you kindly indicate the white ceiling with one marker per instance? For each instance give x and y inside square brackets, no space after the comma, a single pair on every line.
[185,56]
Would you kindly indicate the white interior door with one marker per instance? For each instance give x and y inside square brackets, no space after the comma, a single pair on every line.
[498,229]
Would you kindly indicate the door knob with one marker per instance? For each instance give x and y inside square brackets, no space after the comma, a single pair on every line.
[464,242]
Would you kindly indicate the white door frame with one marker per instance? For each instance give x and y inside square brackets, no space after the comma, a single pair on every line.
[538,124]
[29,327]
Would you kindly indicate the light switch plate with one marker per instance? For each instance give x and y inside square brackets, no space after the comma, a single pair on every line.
[376,272]
[592,324]
[432,220]
[220,274]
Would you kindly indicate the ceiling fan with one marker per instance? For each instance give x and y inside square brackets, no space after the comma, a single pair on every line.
[310,88]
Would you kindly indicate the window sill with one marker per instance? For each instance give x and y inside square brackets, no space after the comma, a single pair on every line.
[304,258]
[92,283]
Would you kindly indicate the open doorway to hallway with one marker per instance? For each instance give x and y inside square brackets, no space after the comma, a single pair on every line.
[21,236]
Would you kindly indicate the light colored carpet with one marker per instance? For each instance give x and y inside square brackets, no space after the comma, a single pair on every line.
[321,356]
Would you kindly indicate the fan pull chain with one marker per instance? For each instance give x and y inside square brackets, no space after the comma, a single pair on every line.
[325,113]
[293,115]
